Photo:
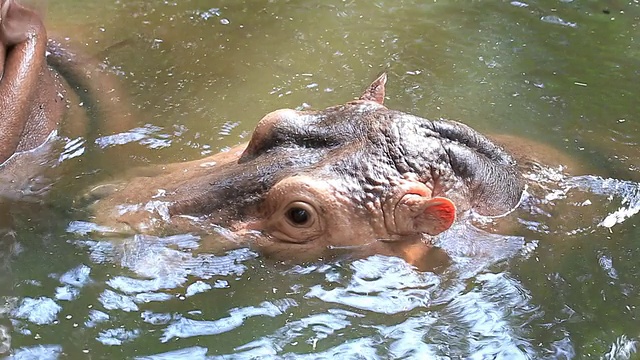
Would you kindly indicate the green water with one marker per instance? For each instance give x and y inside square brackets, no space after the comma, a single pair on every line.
[196,76]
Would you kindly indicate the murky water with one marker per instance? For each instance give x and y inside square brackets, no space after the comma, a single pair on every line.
[196,77]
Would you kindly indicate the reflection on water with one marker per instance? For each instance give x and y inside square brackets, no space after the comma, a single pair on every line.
[148,135]
[562,284]
[627,192]
[555,195]
[389,287]
[26,176]
[378,307]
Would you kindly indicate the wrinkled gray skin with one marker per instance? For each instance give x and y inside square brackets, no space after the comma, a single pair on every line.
[353,175]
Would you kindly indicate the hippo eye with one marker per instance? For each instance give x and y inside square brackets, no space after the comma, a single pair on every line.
[299,214]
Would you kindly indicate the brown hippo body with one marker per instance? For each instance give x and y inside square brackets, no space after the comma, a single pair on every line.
[309,182]
[35,75]
[31,93]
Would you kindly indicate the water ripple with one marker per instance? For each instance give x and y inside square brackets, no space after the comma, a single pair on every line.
[96,317]
[197,287]
[156,318]
[361,348]
[407,338]
[40,311]
[590,196]
[192,353]
[112,300]
[469,310]
[164,262]
[311,329]
[39,352]
[77,277]
[553,19]
[72,148]
[482,314]
[399,290]
[117,336]
[66,293]
[622,348]
[184,328]
[628,192]
[149,135]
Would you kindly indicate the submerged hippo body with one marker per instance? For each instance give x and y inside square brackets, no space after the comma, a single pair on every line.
[311,181]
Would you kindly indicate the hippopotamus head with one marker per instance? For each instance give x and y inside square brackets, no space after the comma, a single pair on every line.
[348,175]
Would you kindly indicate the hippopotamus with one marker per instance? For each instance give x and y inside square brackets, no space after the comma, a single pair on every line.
[31,100]
[309,182]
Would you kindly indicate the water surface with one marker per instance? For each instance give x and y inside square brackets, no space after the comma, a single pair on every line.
[197,76]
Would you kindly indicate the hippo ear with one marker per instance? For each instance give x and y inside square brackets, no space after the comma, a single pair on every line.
[375,92]
[421,214]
